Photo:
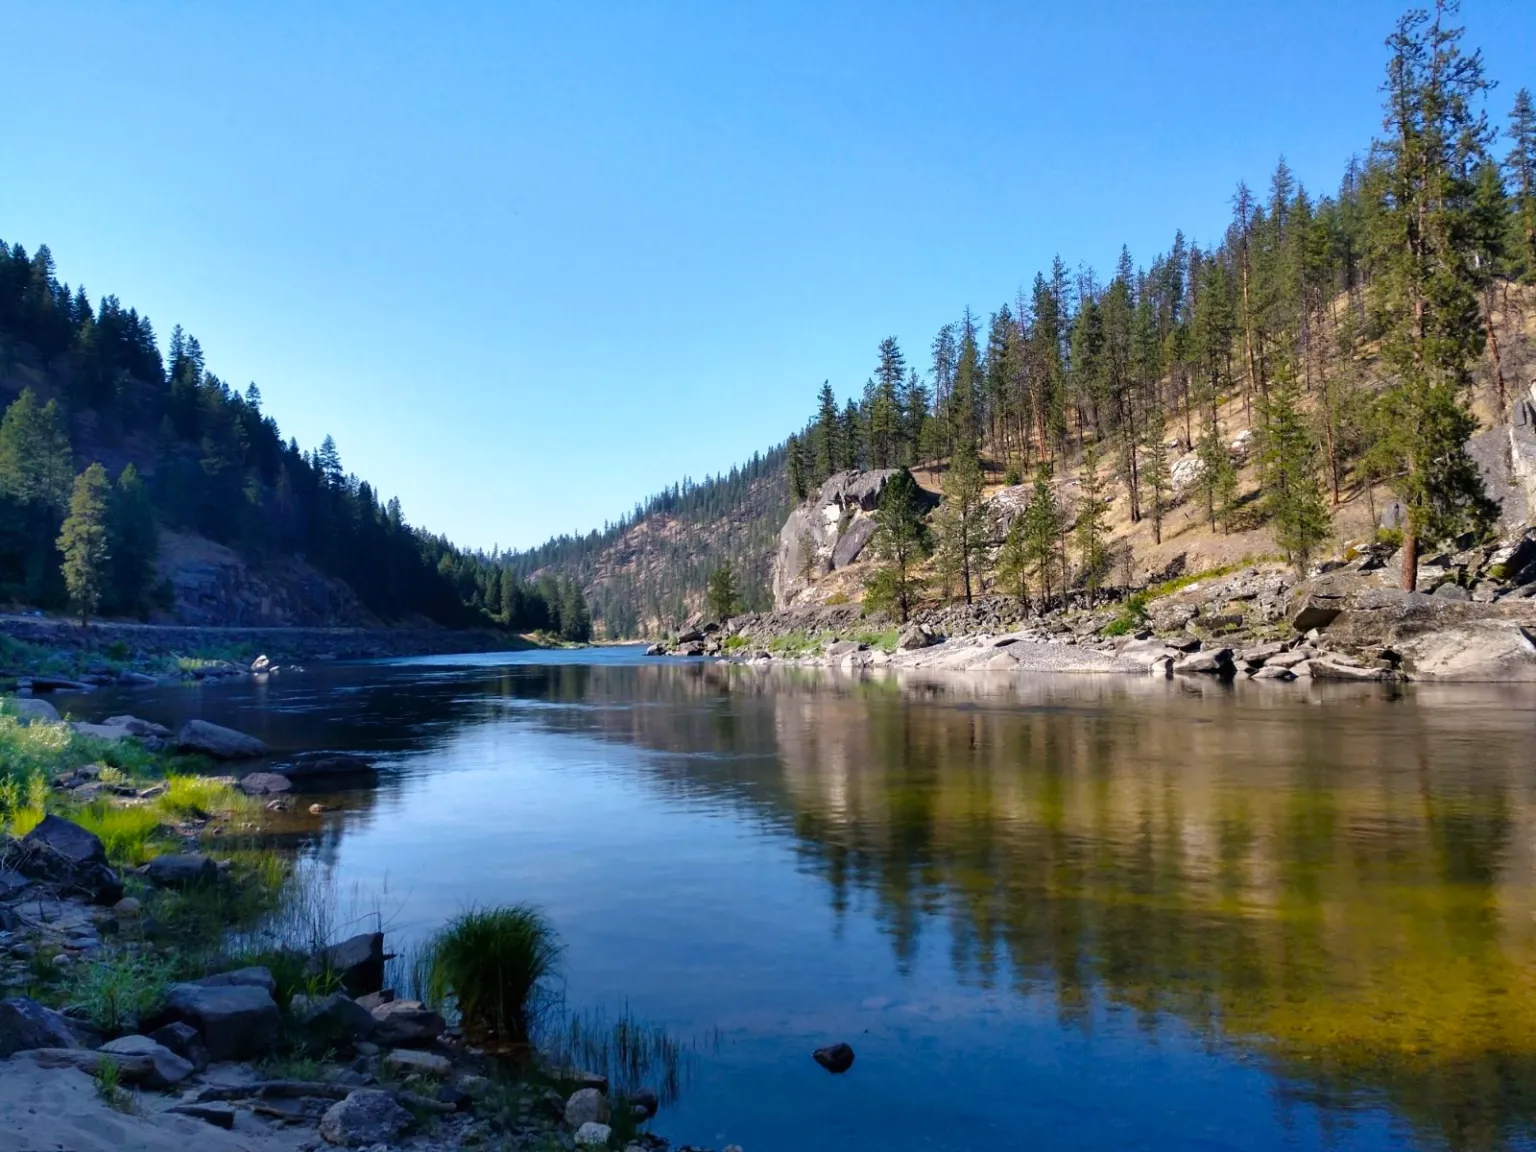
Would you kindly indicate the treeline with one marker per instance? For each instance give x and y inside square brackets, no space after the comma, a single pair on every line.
[1400,270]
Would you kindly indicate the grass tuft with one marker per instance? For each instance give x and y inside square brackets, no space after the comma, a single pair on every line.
[493,965]
[116,991]
[128,834]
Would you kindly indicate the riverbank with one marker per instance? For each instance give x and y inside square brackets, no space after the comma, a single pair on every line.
[169,980]
[1253,622]
[46,649]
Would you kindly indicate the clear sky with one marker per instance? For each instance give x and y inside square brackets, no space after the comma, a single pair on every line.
[531,262]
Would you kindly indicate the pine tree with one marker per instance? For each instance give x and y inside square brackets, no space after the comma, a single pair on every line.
[132,541]
[1520,166]
[724,600]
[963,521]
[1014,564]
[1091,531]
[83,542]
[1426,285]
[1292,495]
[795,467]
[1156,477]
[827,439]
[899,544]
[35,465]
[1217,483]
[1043,525]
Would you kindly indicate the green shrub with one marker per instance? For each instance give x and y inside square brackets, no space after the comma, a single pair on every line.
[493,965]
[126,833]
[115,991]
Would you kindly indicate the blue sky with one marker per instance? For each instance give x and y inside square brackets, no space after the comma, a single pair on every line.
[531,262]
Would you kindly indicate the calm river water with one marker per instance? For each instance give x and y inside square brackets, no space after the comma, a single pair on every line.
[1063,913]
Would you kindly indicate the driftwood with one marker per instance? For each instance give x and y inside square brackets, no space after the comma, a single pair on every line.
[132,1067]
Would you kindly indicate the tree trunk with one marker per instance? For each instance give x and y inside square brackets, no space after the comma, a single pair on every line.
[1410,577]
[1493,349]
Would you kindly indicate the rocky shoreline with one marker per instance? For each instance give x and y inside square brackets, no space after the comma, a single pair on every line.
[1473,623]
[118,1029]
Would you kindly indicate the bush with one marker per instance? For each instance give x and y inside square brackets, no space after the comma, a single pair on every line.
[493,964]
[115,992]
[126,833]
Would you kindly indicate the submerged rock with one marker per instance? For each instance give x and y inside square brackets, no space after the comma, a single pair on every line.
[835,1058]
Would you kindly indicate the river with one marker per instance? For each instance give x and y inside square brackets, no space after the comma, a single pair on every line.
[1072,912]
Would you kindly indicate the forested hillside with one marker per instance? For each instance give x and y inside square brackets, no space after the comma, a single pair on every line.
[184,455]
[1347,341]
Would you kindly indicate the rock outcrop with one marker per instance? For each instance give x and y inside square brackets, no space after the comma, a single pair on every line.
[828,531]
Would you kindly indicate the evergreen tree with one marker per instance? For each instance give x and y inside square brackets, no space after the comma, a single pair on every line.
[35,465]
[899,543]
[1217,482]
[132,542]
[1520,167]
[1043,526]
[827,440]
[963,522]
[1014,563]
[83,541]
[1292,495]
[1091,530]
[795,465]
[1156,477]
[1426,285]
[724,601]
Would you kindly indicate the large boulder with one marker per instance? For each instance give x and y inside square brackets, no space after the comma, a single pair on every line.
[586,1106]
[333,1021]
[218,742]
[358,963]
[830,530]
[32,710]
[365,1118]
[236,1021]
[183,1039]
[179,870]
[1479,650]
[70,856]
[340,766]
[265,784]
[27,1024]
[914,638]
[404,1023]
[167,1068]
[1212,662]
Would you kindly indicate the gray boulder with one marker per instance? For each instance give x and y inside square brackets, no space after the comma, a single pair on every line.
[591,1135]
[66,854]
[218,742]
[1274,672]
[332,1021]
[265,784]
[32,710]
[914,638]
[255,977]
[168,1069]
[236,1021]
[1334,667]
[358,963]
[182,1039]
[365,1118]
[586,1106]
[1480,650]
[406,1023]
[178,870]
[27,1024]
[1453,592]
[850,545]
[140,729]
[1211,662]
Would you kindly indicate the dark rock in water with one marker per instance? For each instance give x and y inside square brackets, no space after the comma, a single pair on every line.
[691,636]
[330,1022]
[647,1101]
[182,1039]
[358,962]
[655,650]
[836,1058]
[329,764]
[219,742]
[265,784]
[137,727]
[70,856]
[236,1021]
[26,1024]
[59,684]
[179,870]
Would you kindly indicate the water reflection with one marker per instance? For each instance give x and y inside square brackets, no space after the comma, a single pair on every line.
[1337,882]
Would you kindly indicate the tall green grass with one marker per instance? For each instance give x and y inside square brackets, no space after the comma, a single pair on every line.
[494,966]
